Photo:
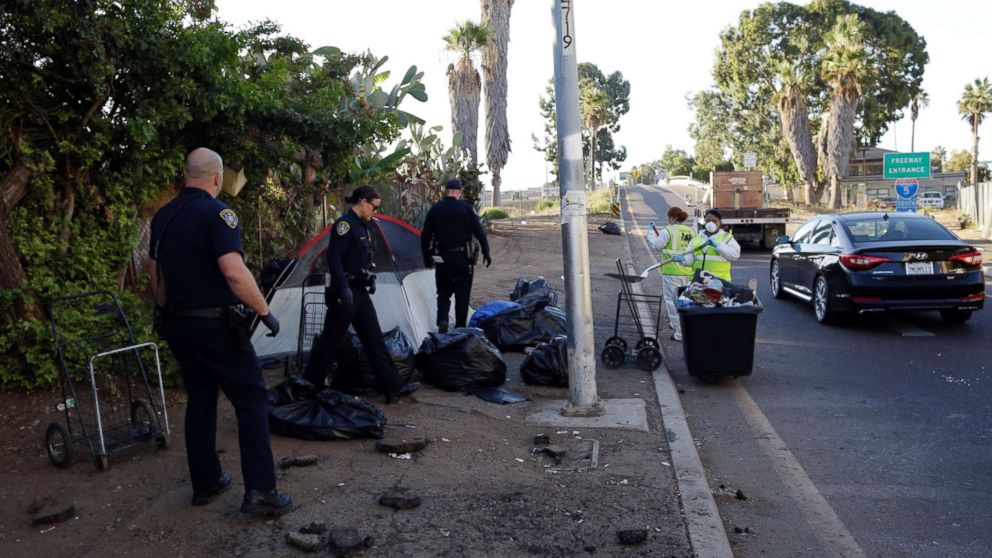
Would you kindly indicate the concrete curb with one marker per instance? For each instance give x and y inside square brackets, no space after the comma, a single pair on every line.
[706,533]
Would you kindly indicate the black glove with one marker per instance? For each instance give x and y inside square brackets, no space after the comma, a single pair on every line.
[429,262]
[487,260]
[347,300]
[272,323]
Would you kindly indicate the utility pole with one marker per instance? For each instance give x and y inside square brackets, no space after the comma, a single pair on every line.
[582,398]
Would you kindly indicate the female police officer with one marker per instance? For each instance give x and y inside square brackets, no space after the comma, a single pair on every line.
[349,261]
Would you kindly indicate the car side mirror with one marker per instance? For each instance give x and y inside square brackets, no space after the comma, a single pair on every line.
[782,240]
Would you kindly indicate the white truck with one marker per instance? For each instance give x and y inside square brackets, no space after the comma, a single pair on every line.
[739,196]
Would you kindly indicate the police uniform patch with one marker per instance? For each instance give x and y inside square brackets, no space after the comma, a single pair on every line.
[229,217]
[343,228]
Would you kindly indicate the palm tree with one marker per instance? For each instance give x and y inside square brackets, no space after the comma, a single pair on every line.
[793,113]
[974,103]
[920,100]
[464,84]
[594,109]
[496,18]
[845,67]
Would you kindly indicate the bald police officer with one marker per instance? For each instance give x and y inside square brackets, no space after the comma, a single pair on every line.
[447,245]
[198,274]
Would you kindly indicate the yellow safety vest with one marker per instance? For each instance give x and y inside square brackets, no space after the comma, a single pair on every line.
[679,237]
[714,262]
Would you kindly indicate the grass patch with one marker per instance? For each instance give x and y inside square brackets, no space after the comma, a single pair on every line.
[548,206]
[599,201]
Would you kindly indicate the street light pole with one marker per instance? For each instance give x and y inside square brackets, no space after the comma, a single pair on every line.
[582,397]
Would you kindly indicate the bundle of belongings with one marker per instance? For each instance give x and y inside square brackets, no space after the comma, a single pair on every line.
[710,291]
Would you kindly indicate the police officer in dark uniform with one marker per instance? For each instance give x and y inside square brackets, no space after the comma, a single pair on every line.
[349,301]
[198,275]
[447,244]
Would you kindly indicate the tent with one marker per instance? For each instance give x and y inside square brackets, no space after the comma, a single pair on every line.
[405,293]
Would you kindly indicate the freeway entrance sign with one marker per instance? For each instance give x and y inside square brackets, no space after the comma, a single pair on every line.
[906,188]
[906,165]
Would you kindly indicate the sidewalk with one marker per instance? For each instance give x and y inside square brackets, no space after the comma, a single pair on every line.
[483,491]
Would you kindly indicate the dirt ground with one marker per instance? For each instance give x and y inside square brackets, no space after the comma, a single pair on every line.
[483,491]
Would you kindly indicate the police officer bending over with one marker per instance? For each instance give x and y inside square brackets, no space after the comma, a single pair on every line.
[447,235]
[349,302]
[198,275]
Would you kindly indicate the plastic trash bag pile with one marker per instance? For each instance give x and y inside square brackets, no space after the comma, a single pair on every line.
[354,374]
[461,360]
[709,291]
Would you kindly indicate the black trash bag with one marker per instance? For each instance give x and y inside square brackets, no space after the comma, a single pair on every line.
[610,228]
[529,289]
[354,373]
[533,323]
[548,364]
[460,360]
[299,411]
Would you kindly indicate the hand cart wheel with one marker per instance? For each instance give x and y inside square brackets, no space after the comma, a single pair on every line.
[646,342]
[648,358]
[619,341]
[102,462]
[613,356]
[162,441]
[58,442]
[142,418]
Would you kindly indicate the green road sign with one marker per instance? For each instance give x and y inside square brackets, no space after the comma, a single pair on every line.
[906,165]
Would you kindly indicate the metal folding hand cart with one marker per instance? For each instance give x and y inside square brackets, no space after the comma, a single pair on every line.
[107,400]
[313,310]
[628,323]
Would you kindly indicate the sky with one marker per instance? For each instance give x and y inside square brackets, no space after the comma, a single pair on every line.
[664,49]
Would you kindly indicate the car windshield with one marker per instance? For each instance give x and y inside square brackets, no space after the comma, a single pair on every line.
[893,229]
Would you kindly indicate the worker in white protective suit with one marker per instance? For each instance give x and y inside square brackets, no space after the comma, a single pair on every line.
[673,239]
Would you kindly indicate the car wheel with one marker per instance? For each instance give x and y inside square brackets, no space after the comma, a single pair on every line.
[821,301]
[955,316]
[775,280]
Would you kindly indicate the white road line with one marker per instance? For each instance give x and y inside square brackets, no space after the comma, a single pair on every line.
[834,537]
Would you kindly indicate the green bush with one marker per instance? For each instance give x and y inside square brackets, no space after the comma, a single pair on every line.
[494,213]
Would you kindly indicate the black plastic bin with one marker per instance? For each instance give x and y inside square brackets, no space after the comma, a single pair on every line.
[719,341]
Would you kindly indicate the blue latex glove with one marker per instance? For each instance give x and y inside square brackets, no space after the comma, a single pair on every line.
[678,259]
[711,241]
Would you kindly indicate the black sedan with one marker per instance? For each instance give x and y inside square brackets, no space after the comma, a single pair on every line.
[877,261]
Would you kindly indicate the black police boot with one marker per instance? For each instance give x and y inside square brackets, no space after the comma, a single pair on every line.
[204,497]
[442,327]
[264,503]
[405,389]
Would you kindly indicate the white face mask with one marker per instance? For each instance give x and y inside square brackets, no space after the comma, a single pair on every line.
[711,227]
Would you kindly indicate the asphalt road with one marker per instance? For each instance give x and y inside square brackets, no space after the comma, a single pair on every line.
[869,439]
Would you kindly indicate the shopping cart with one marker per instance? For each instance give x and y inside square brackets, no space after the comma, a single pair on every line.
[312,313]
[633,312]
[114,409]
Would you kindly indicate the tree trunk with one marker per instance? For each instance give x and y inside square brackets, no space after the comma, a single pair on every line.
[497,180]
[912,135]
[974,148]
[794,116]
[13,187]
[839,143]
[465,96]
[592,159]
